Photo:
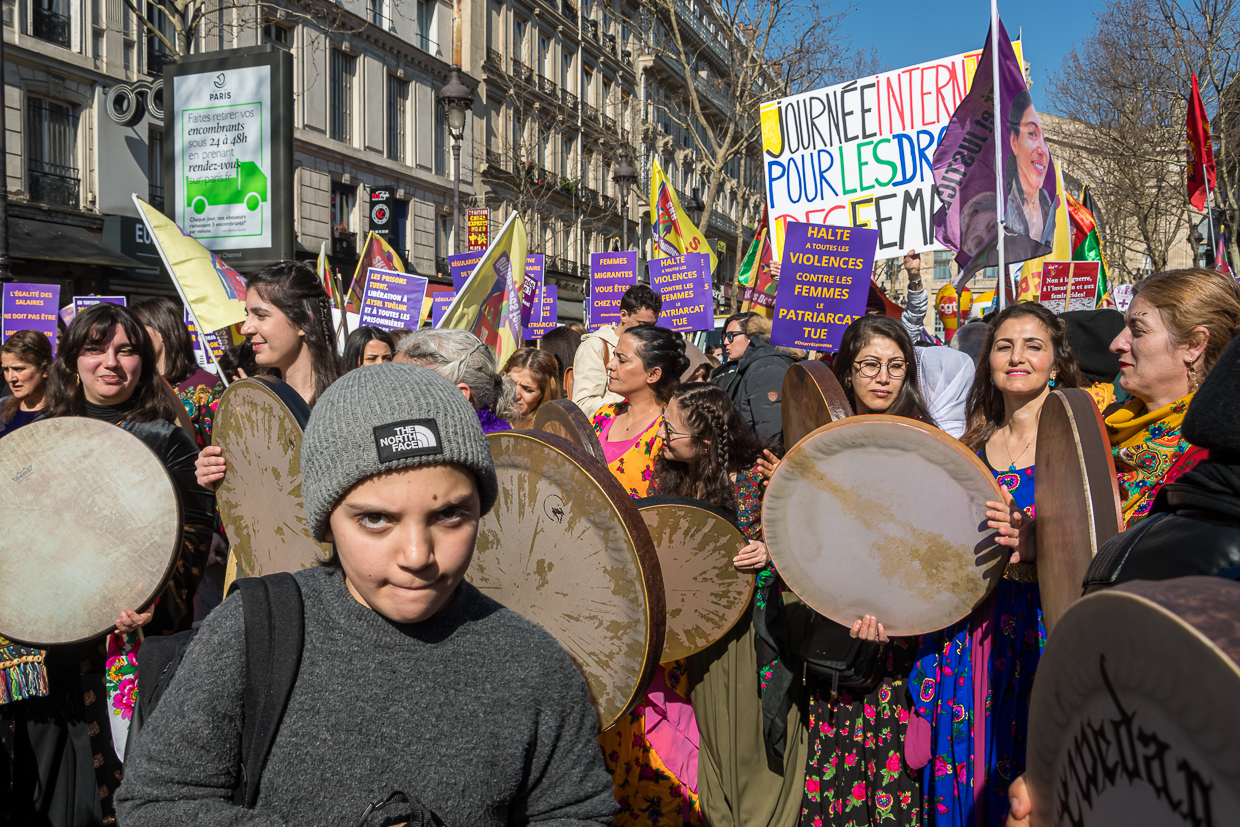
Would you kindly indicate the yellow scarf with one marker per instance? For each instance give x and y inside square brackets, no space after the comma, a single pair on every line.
[1145,445]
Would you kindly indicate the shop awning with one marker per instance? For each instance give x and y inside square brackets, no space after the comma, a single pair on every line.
[33,240]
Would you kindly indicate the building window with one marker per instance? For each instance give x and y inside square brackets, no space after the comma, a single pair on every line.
[155,168]
[51,141]
[400,220]
[443,236]
[49,20]
[544,56]
[157,53]
[278,35]
[343,199]
[397,106]
[426,24]
[343,68]
[566,159]
[441,142]
[942,265]
[129,48]
[376,13]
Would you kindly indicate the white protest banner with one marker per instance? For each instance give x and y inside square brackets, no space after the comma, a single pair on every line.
[861,153]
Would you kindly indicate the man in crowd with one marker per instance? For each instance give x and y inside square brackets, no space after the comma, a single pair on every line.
[640,305]
[756,383]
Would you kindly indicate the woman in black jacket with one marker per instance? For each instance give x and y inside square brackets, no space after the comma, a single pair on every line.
[62,760]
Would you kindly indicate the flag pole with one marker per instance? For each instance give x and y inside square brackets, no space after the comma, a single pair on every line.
[1210,221]
[1000,203]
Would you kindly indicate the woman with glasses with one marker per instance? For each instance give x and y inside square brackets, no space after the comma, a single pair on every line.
[746,773]
[856,772]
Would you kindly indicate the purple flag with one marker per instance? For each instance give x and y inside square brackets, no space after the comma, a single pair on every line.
[964,171]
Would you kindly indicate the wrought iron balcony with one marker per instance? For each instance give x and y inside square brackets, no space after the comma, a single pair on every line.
[522,73]
[609,125]
[568,99]
[49,25]
[54,184]
[156,195]
[495,59]
[548,87]
[495,159]
[589,112]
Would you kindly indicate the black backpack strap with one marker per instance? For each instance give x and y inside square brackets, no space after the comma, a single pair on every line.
[274,634]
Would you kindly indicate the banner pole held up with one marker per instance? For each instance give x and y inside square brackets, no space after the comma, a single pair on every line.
[1000,203]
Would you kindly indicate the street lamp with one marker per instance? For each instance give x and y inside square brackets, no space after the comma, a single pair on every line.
[695,206]
[456,99]
[625,176]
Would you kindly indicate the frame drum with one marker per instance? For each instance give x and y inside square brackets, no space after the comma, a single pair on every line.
[1078,506]
[706,595]
[565,547]
[811,398]
[259,424]
[885,516]
[1133,715]
[564,419]
[79,548]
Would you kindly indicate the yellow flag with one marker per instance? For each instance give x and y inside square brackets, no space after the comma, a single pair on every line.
[674,233]
[213,291]
[1030,285]
[488,304]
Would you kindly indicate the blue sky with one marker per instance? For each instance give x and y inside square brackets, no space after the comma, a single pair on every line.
[907,32]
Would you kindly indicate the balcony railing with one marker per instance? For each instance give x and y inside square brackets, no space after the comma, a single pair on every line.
[589,112]
[568,10]
[51,26]
[522,73]
[495,159]
[568,99]
[609,203]
[589,198]
[495,58]
[54,184]
[609,125]
[344,243]
[548,87]
[562,264]
[156,57]
[592,31]
[721,221]
[709,38]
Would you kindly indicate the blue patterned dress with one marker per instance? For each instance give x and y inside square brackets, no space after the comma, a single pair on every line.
[943,692]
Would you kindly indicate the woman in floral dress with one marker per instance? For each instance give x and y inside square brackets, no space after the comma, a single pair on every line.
[973,680]
[645,368]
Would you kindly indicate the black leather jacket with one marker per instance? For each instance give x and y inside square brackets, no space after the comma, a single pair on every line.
[1193,529]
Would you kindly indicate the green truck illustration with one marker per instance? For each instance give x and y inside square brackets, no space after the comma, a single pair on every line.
[247,186]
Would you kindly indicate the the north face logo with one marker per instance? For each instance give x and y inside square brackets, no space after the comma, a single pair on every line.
[411,438]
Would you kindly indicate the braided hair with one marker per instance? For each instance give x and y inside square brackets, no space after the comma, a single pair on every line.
[294,289]
[658,347]
[722,446]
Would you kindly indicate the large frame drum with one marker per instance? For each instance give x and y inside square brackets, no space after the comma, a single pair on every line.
[92,528]
[811,398]
[1077,498]
[885,516]
[1133,715]
[259,426]
[565,547]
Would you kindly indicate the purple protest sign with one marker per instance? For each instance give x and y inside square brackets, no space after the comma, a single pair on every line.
[440,302]
[683,282]
[547,315]
[392,299]
[824,281]
[462,264]
[31,307]
[80,303]
[964,171]
[533,280]
[611,274]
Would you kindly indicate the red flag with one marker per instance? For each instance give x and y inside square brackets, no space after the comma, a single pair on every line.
[1201,174]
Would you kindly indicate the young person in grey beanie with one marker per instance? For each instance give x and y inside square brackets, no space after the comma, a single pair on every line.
[410,679]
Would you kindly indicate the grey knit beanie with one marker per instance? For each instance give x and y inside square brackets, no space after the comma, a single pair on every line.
[383,418]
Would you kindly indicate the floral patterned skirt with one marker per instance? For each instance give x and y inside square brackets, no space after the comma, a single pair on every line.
[649,794]
[856,775]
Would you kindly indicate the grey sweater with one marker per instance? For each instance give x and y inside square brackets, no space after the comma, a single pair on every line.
[477,711]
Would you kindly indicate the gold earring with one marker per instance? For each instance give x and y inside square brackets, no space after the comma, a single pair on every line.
[1192,376]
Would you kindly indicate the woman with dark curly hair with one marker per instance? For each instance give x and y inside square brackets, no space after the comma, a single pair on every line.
[68,723]
[1025,356]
